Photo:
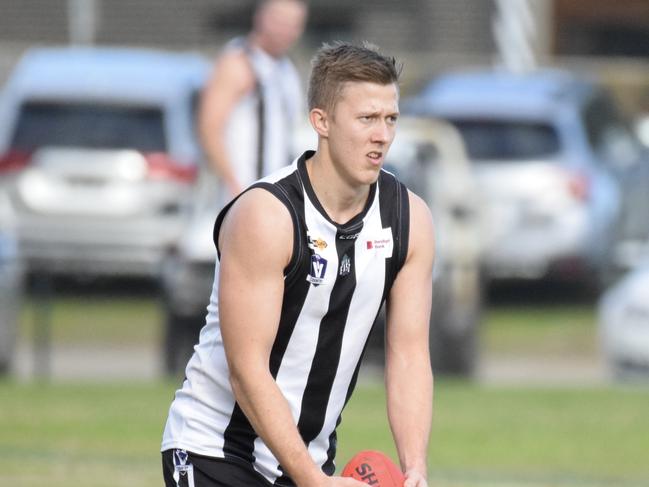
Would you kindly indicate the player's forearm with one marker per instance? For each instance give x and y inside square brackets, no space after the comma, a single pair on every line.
[409,384]
[270,416]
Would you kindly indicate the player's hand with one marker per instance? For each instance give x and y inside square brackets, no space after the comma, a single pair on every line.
[414,478]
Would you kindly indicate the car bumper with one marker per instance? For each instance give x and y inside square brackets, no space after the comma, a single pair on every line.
[534,253]
[94,248]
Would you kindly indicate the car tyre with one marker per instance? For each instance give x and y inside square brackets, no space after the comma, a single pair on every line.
[454,325]
[180,335]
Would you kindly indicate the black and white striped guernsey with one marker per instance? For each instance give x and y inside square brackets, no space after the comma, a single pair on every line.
[335,284]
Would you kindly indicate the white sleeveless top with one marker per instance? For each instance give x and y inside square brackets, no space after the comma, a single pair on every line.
[281,89]
[335,284]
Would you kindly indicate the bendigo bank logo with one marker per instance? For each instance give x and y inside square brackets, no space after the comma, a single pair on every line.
[380,244]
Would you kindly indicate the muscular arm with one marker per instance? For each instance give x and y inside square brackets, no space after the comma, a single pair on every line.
[231,80]
[256,245]
[409,380]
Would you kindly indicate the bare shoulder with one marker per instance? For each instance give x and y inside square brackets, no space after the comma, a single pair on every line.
[258,224]
[420,214]
[234,70]
[422,234]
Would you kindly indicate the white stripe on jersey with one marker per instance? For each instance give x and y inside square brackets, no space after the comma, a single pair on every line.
[365,303]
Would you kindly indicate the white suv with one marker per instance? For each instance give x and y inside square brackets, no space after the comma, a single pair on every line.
[99,157]
[561,178]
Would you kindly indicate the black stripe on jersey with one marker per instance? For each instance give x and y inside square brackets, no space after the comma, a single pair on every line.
[282,191]
[329,467]
[328,349]
[394,206]
[239,436]
[327,355]
[296,287]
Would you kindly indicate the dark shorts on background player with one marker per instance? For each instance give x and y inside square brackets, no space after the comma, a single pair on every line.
[185,469]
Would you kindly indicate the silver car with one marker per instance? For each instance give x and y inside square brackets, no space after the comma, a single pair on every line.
[429,157]
[98,155]
[560,177]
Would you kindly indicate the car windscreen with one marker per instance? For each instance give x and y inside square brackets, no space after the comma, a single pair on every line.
[506,140]
[100,126]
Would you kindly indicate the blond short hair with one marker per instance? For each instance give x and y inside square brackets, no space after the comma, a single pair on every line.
[335,64]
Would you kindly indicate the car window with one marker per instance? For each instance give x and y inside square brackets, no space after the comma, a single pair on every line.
[608,132]
[505,140]
[102,126]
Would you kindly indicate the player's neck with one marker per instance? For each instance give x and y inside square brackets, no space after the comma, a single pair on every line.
[341,200]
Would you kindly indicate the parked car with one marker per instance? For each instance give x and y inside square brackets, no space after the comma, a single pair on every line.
[188,275]
[429,157]
[99,157]
[10,285]
[624,325]
[561,179]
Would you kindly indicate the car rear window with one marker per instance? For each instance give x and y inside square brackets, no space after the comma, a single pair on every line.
[86,125]
[498,140]
[608,131]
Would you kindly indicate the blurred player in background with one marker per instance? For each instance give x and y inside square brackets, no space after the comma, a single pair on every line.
[251,103]
[306,259]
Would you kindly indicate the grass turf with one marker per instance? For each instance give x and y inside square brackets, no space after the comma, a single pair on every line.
[108,435]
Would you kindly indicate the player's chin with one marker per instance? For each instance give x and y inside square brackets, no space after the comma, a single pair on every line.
[370,175]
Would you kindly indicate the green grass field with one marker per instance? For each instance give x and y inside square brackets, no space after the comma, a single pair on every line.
[108,434]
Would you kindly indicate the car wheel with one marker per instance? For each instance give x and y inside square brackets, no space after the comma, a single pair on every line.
[457,312]
[5,367]
[626,371]
[180,335]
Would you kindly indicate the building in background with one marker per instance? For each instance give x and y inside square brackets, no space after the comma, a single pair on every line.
[430,35]
[454,30]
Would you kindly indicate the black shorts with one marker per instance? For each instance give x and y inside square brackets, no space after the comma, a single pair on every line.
[194,470]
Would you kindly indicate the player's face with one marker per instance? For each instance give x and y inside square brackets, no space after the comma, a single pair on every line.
[280,25]
[362,128]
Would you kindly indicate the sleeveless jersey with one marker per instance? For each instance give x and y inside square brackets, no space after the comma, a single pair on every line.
[335,284]
[258,134]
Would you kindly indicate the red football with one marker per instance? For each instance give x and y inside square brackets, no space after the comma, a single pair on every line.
[374,468]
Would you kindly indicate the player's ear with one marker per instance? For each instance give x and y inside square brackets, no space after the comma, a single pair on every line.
[319,121]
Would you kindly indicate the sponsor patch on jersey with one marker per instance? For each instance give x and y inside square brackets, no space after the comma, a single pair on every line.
[345,265]
[316,243]
[318,269]
[381,244]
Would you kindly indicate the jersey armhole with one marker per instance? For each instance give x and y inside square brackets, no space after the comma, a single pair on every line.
[281,195]
[403,217]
